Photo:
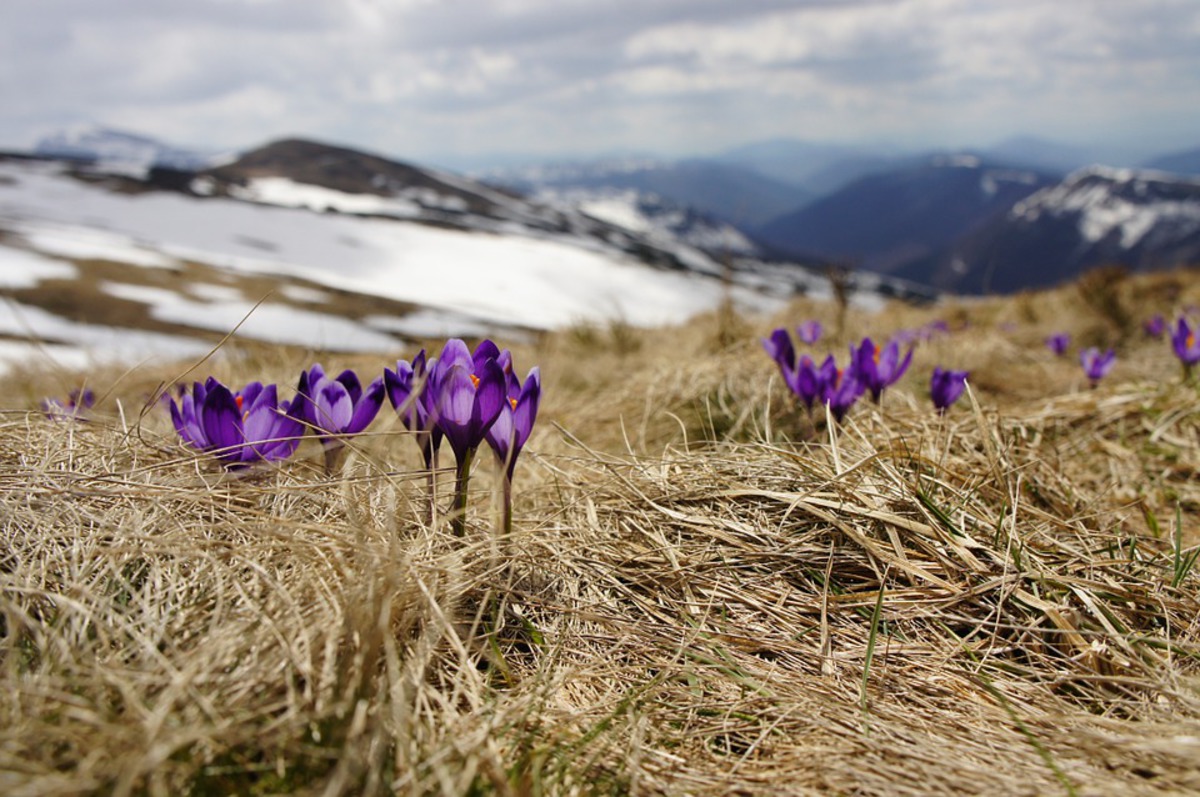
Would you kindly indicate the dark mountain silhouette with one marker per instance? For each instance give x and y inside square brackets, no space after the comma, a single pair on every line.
[884,221]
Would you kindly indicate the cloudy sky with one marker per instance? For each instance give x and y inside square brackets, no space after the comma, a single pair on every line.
[449,81]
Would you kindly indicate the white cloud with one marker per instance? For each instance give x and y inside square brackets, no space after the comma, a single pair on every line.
[416,77]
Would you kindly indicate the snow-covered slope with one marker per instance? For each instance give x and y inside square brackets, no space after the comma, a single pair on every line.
[455,281]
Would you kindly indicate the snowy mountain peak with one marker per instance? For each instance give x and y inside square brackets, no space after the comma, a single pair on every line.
[660,219]
[1138,179]
[1125,201]
[119,151]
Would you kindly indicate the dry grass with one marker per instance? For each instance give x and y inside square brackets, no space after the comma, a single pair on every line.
[704,593]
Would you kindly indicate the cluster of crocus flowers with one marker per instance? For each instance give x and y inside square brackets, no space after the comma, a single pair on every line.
[462,397]
[869,368]
[466,398]
[239,427]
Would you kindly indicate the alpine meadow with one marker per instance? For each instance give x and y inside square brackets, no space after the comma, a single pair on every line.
[689,582]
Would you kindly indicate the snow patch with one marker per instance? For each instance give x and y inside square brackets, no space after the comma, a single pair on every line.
[288,193]
[431,323]
[84,243]
[303,295]
[208,292]
[76,345]
[269,322]
[1109,201]
[20,268]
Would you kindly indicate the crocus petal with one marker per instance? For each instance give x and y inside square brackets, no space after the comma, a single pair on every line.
[502,434]
[366,408]
[289,428]
[907,361]
[250,394]
[399,386]
[349,380]
[183,418]
[486,350]
[525,413]
[779,347]
[260,422]
[455,352]
[490,396]
[455,406]
[221,421]
[333,407]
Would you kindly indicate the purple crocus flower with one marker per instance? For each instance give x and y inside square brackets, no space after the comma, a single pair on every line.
[779,347]
[468,392]
[240,428]
[338,406]
[946,386]
[513,425]
[842,390]
[1095,364]
[879,368]
[407,389]
[78,402]
[512,428]
[809,331]
[334,408]
[808,381]
[1185,344]
[1155,326]
[1058,343]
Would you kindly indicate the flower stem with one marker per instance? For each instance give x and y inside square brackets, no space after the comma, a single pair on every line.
[431,467]
[458,512]
[333,458]
[507,506]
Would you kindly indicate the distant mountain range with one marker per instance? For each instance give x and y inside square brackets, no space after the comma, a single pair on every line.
[952,221]
[1186,163]
[733,193]
[883,221]
[945,220]
[1098,216]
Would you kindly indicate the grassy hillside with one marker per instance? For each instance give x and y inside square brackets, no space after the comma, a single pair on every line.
[704,592]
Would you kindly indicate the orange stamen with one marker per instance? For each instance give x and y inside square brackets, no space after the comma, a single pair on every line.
[513,402]
[238,399]
[474,381]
